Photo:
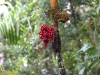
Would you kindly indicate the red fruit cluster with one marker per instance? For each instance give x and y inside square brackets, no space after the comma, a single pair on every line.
[46,34]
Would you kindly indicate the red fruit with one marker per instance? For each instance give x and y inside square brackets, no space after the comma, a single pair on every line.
[46,34]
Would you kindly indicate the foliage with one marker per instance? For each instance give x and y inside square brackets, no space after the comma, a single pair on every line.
[80,40]
[8,73]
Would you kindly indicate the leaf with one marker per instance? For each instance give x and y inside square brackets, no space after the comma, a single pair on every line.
[85,47]
[82,71]
[92,52]
[76,54]
[96,55]
[9,4]
[9,27]
[92,64]
[98,9]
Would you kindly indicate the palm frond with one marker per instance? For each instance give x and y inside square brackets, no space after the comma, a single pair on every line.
[9,27]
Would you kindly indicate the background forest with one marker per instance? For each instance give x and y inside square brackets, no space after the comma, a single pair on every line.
[20,22]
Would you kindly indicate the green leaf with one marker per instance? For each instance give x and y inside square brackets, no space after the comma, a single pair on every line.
[92,64]
[91,52]
[96,55]
[98,9]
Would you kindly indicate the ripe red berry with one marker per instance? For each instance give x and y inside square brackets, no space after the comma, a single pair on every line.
[46,34]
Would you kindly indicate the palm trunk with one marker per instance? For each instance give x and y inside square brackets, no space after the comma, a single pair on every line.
[56,45]
[57,50]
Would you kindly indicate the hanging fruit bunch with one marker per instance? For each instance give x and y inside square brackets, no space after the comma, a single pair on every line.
[46,33]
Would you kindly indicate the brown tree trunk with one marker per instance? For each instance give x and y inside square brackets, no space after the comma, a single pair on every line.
[56,45]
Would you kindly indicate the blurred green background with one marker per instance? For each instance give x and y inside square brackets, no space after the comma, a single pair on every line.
[20,21]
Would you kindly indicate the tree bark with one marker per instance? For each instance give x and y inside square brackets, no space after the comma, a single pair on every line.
[56,45]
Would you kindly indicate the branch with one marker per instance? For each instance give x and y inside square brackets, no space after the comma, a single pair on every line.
[73,14]
[29,24]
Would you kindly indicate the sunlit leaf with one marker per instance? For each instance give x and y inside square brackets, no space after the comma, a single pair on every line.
[82,71]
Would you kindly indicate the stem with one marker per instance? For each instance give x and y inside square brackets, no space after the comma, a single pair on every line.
[29,24]
[73,14]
